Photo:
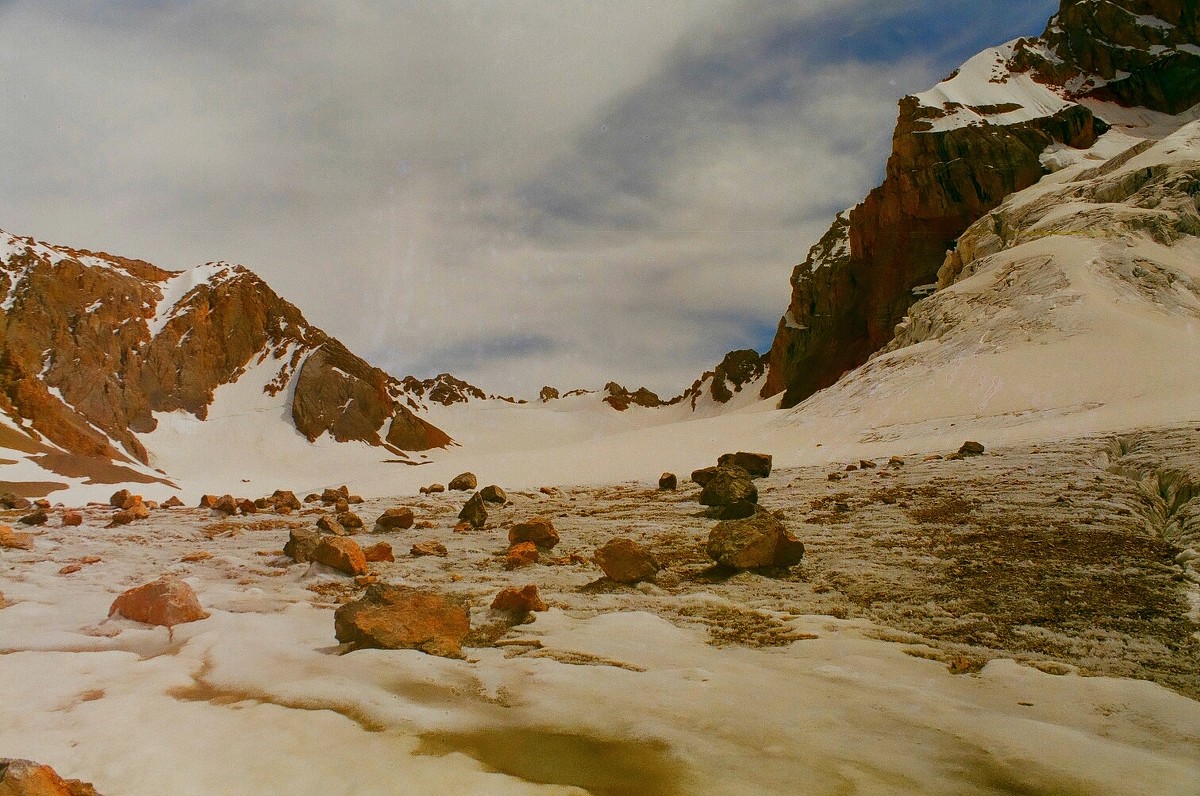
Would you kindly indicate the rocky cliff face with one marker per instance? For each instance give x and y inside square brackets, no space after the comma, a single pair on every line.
[92,345]
[957,152]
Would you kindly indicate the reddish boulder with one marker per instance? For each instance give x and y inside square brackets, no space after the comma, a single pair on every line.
[167,601]
[285,498]
[39,517]
[172,502]
[668,481]
[474,511]
[380,551]
[539,530]
[464,482]
[350,521]
[757,464]
[521,555]
[120,498]
[626,561]
[400,617]
[301,543]
[226,504]
[759,541]
[341,505]
[428,549]
[522,600]
[248,506]
[208,501]
[493,494]
[401,517]
[341,554]
[72,518]
[330,525]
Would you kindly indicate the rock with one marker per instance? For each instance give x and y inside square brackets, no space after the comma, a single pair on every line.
[757,464]
[192,558]
[3,604]
[27,778]
[354,500]
[262,504]
[760,541]
[463,482]
[730,485]
[167,601]
[835,476]
[10,501]
[548,490]
[428,549]
[493,494]
[620,398]
[668,481]
[341,505]
[434,489]
[39,517]
[330,496]
[735,511]
[208,502]
[463,527]
[380,551]
[248,506]
[400,617]
[330,525]
[227,504]
[547,394]
[955,457]
[970,448]
[866,464]
[474,512]
[70,569]
[285,498]
[72,518]
[341,554]
[42,503]
[425,524]
[626,561]
[119,498]
[312,497]
[400,517]
[895,462]
[539,530]
[136,511]
[350,521]
[172,502]
[301,544]
[522,600]
[704,475]
[365,580]
[521,555]
[15,541]
[424,490]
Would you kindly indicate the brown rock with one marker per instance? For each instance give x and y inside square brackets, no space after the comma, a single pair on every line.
[757,464]
[704,475]
[167,601]
[626,561]
[72,518]
[399,617]
[248,506]
[330,525]
[262,504]
[365,580]
[39,517]
[866,464]
[522,600]
[400,517]
[463,482]
[970,448]
[191,558]
[493,494]
[760,541]
[730,485]
[668,481]
[474,511]
[90,560]
[285,498]
[227,504]
[539,530]
[172,502]
[380,551]
[301,544]
[428,549]
[329,496]
[895,462]
[10,501]
[434,489]
[463,527]
[341,505]
[27,778]
[521,555]
[341,554]
[70,568]
[312,498]
[425,524]
[350,521]
[42,503]
[120,498]
[208,501]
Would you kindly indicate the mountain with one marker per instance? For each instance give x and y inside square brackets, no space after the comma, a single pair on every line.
[96,349]
[987,131]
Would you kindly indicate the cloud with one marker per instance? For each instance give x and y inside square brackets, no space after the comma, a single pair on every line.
[521,193]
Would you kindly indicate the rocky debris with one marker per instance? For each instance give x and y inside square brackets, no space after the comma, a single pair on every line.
[432,489]
[463,482]
[207,502]
[15,541]
[42,503]
[971,448]
[172,502]
[378,552]
[730,485]
[262,504]
[835,476]
[330,525]
[330,495]
[668,481]
[758,465]
[753,543]
[620,399]
[341,505]
[866,464]
[137,511]
[493,494]
[522,554]
[10,501]
[895,462]
[39,517]
[71,519]
[27,778]
[400,617]
[547,394]
[70,569]
[424,524]
[626,561]
[430,548]
[285,498]
[301,543]
[400,517]
[350,521]
[704,475]
[474,512]
[120,498]
[442,389]
[248,506]
[167,601]
[312,497]
[226,504]
[521,601]
[539,530]
[736,370]
[341,554]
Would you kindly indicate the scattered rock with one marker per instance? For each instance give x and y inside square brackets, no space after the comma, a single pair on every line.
[493,494]
[331,496]
[208,502]
[301,543]
[522,600]
[434,489]
[539,530]
[463,482]
[120,498]
[10,501]
[400,617]
[380,551]
[227,504]
[312,497]
[341,554]
[42,503]
[262,504]
[463,527]
[970,448]
[67,570]
[626,561]
[704,475]
[730,485]
[521,555]
[330,525]
[760,541]
[668,481]
[167,601]
[341,506]
[757,464]
[172,502]
[548,490]
[400,517]
[285,498]
[365,580]
[428,549]
[866,464]
[850,468]
[955,457]
[474,511]
[895,462]
[248,506]
[192,558]
[350,521]
[39,517]
[27,778]
[425,524]
[836,476]
[72,518]
[933,457]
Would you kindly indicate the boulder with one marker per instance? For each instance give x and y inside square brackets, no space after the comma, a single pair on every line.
[668,481]
[119,498]
[248,506]
[330,525]
[226,504]
[521,555]
[301,543]
[391,519]
[380,551]
[15,541]
[493,494]
[10,501]
[350,521]
[463,482]
[522,600]
[539,530]
[970,448]
[730,485]
[704,475]
[866,464]
[38,517]
[167,601]
[208,502]
[434,489]
[42,503]
[474,511]
[430,548]
[759,541]
[331,496]
[341,554]
[400,617]
[285,498]
[27,778]
[735,511]
[757,464]
[341,505]
[626,561]
[172,502]
[72,518]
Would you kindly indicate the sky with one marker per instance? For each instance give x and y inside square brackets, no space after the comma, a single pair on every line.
[519,193]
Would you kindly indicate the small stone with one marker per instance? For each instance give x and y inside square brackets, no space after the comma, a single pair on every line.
[312,497]
[10,501]
[539,530]
[400,517]
[835,476]
[427,524]
[39,517]
[474,511]
[380,551]
[955,457]
[86,560]
[428,549]
[248,507]
[201,555]
[332,496]
[262,504]
[301,543]
[70,568]
[850,468]
[626,561]
[866,464]
[434,489]
[493,494]
[522,600]
[227,504]
[167,601]
[285,498]
[365,580]
[971,448]
[462,527]
[895,462]
[521,555]
[548,490]
[341,505]
[42,503]
[463,482]
[668,481]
